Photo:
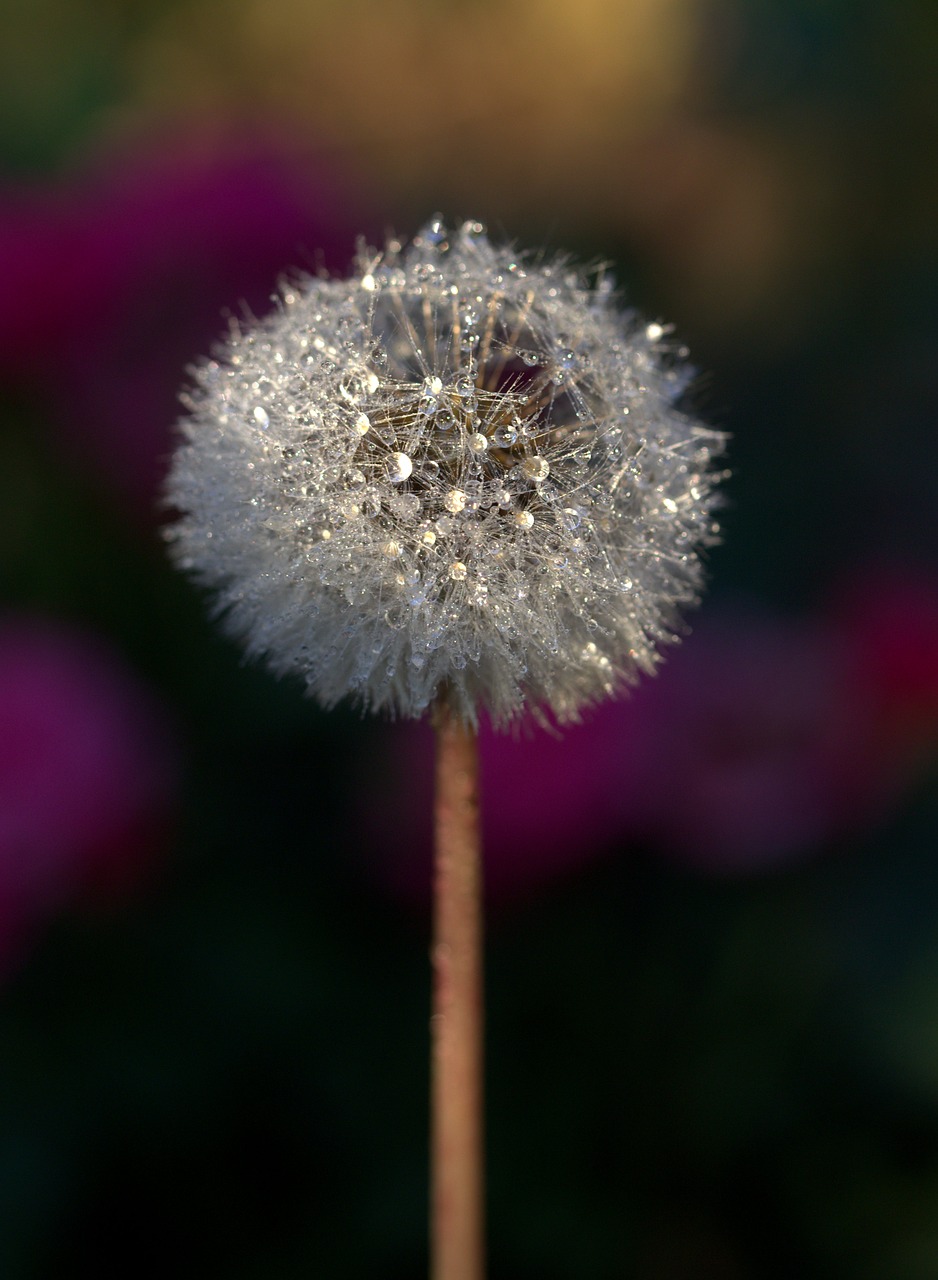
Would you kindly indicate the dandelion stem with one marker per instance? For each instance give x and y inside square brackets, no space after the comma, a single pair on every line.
[456,1192]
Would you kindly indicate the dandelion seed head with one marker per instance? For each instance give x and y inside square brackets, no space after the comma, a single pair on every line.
[459,469]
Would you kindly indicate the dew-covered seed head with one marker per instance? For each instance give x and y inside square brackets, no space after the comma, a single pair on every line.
[459,469]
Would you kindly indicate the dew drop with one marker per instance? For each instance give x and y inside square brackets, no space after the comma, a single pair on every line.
[524,519]
[505,436]
[400,467]
[458,571]
[536,468]
[454,501]
[405,505]
[261,417]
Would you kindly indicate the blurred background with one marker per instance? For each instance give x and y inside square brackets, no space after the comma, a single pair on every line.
[713,909]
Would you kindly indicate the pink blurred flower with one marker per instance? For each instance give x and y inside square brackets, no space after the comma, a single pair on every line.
[757,745]
[891,615]
[762,740]
[113,282]
[86,774]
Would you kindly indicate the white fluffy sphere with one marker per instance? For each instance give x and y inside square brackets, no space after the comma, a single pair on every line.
[461,470]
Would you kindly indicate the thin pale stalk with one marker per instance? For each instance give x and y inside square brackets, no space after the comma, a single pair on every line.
[456,1149]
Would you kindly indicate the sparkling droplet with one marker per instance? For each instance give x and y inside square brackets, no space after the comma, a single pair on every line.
[536,468]
[434,232]
[354,479]
[449,447]
[458,571]
[505,436]
[427,536]
[362,424]
[524,519]
[351,387]
[400,467]
[478,443]
[391,548]
[261,416]
[445,420]
[455,501]
[405,505]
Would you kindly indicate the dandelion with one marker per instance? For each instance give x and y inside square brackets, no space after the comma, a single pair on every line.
[461,479]
[459,469]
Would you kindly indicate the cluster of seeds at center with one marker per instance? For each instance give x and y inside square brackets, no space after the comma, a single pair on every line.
[447,452]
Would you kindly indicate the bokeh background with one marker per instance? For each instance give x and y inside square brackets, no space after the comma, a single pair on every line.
[713,910]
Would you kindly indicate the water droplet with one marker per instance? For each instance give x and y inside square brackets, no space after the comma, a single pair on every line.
[455,501]
[400,467]
[458,571]
[445,420]
[354,479]
[362,424]
[524,519]
[505,435]
[391,548]
[536,468]
[351,388]
[261,417]
[478,443]
[434,232]
[405,505]
[449,447]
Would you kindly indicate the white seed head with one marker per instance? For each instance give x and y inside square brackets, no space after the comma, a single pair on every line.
[459,470]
